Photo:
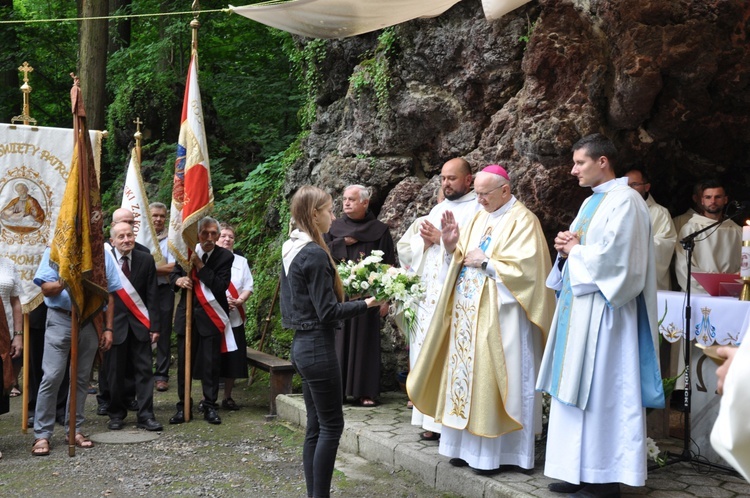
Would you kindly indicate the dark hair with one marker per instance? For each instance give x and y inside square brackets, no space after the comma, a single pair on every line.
[712,183]
[597,145]
[643,173]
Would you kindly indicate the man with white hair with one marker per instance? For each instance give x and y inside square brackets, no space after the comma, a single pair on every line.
[476,371]
[353,237]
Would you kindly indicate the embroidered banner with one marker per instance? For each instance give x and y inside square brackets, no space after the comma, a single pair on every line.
[35,162]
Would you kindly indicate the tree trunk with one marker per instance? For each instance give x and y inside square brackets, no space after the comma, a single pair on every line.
[93,60]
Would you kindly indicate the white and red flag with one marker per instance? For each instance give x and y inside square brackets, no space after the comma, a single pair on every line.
[192,195]
[134,198]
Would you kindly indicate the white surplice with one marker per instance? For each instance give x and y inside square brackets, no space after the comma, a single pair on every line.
[665,237]
[606,440]
[730,436]
[717,250]
[428,263]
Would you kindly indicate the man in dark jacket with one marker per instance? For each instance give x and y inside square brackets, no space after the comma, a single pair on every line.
[212,271]
[136,327]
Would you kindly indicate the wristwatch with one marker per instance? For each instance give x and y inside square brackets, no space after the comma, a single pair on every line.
[484,264]
[17,333]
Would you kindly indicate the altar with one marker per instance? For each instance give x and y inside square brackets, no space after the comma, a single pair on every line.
[713,320]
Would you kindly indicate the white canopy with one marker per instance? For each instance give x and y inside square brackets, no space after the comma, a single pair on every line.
[343,18]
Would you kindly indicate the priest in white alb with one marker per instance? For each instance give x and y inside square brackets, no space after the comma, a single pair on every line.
[476,371]
[662,227]
[718,249]
[426,253]
[600,365]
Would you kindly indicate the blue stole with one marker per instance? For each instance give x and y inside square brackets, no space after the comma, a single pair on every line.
[566,296]
[652,390]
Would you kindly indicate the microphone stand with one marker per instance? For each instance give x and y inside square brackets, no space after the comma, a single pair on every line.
[688,243]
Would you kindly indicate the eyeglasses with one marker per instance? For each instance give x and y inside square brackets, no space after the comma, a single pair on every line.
[482,195]
[637,184]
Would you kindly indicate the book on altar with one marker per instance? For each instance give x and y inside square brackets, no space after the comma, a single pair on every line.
[712,281]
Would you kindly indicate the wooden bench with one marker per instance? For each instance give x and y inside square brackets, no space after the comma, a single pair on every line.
[281,372]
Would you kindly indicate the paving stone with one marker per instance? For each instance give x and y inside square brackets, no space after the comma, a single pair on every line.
[497,489]
[709,492]
[460,481]
[376,449]
[416,462]
[665,483]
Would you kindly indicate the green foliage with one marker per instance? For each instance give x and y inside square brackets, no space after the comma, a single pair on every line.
[305,61]
[374,72]
[50,48]
[248,205]
[529,31]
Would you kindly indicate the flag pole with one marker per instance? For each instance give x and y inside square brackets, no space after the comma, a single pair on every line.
[25,387]
[194,25]
[138,136]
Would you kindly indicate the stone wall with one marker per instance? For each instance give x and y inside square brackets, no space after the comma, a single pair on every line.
[667,80]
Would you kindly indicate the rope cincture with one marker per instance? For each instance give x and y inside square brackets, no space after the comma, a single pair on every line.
[120,16]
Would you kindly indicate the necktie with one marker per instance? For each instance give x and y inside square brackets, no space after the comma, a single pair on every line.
[125,266]
[204,257]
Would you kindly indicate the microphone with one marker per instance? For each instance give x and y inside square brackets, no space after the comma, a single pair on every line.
[740,206]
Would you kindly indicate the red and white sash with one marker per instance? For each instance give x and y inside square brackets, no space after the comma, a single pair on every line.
[234,294]
[132,299]
[215,313]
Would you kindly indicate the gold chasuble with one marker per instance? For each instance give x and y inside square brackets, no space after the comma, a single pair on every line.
[461,376]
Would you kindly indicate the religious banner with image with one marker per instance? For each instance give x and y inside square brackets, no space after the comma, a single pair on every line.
[35,162]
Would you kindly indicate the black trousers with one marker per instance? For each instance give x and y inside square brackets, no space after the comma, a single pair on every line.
[314,357]
[205,358]
[163,345]
[133,355]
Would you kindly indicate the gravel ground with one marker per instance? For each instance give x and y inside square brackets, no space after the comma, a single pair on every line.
[244,456]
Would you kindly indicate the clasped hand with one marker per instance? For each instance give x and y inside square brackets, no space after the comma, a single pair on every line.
[565,241]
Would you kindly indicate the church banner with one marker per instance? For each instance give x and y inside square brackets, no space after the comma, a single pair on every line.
[35,162]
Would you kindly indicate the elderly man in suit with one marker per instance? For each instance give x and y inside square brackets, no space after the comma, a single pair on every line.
[212,271]
[136,327]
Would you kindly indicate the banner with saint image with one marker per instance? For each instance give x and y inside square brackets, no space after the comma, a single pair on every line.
[35,162]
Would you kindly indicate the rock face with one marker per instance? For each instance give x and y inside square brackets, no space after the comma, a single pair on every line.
[667,80]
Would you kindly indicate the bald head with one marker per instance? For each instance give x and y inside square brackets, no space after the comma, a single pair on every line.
[123,214]
[455,178]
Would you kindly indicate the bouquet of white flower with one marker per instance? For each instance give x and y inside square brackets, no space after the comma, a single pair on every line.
[370,276]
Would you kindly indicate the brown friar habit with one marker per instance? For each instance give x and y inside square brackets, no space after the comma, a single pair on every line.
[358,344]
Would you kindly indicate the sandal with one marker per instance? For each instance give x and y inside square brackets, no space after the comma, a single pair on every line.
[367,402]
[429,436]
[15,392]
[40,447]
[81,441]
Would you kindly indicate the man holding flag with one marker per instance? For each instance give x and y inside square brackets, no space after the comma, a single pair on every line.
[209,280]
[192,201]
[76,284]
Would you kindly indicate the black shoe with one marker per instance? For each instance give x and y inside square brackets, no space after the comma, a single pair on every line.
[133,405]
[211,416]
[150,425]
[608,490]
[458,462]
[102,409]
[492,472]
[201,407]
[115,424]
[30,421]
[229,404]
[565,487]
[178,418]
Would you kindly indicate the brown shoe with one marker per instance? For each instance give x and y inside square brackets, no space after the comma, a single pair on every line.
[162,385]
